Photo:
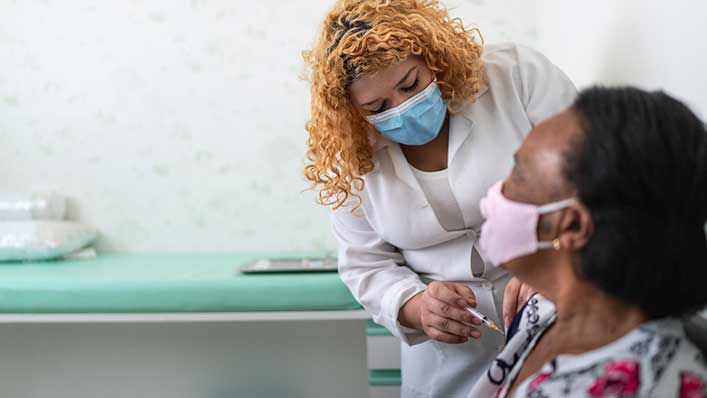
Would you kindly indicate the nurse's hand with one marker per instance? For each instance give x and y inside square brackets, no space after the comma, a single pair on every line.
[439,312]
[515,296]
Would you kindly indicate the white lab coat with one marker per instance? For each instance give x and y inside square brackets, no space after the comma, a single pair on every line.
[394,244]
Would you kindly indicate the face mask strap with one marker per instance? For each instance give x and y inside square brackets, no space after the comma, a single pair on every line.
[555,206]
[549,208]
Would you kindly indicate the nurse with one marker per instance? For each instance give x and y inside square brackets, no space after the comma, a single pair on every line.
[412,121]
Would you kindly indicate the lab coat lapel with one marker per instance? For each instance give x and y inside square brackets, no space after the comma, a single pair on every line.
[400,163]
[402,168]
[460,128]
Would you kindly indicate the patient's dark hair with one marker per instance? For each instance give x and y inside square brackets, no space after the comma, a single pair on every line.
[640,166]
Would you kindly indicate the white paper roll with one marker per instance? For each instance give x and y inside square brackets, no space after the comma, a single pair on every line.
[32,206]
[41,240]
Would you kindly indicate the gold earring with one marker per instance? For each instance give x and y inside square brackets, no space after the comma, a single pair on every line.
[556,244]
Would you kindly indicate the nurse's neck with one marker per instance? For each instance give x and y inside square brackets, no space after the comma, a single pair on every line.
[588,318]
[431,156]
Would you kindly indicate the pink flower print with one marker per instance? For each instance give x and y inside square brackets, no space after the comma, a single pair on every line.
[538,380]
[691,386]
[498,392]
[621,377]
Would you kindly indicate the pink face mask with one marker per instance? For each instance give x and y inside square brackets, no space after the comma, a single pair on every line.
[510,230]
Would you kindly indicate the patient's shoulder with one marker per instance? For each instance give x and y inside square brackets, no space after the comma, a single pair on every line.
[536,311]
[677,366]
[655,360]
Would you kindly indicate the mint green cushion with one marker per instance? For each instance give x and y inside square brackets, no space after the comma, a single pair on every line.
[374,329]
[384,377]
[164,283]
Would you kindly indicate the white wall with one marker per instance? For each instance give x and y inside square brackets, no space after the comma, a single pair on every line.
[649,43]
[176,125]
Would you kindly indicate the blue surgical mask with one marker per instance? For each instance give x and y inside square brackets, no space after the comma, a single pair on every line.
[416,121]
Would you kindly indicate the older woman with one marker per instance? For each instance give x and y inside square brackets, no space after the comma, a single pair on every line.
[604,214]
[412,120]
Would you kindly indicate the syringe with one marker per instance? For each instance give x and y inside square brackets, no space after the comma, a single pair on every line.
[485,320]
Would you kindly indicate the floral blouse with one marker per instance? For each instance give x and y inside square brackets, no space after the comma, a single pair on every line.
[655,360]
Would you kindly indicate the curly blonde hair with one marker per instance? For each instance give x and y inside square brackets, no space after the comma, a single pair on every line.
[358,38]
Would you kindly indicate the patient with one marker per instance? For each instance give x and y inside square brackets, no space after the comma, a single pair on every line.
[604,215]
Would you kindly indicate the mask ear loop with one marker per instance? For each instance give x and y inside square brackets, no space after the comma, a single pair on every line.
[555,244]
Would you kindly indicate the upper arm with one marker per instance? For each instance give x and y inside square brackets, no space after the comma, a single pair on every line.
[357,237]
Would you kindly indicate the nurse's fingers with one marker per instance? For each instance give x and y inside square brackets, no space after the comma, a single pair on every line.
[465,292]
[444,310]
[452,327]
[510,300]
[447,292]
[439,335]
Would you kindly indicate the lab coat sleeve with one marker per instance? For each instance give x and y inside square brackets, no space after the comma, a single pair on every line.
[374,271]
[545,89]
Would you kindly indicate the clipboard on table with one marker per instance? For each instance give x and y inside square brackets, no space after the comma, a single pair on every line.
[290,264]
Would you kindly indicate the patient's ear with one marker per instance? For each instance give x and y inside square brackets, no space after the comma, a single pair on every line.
[576,227]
